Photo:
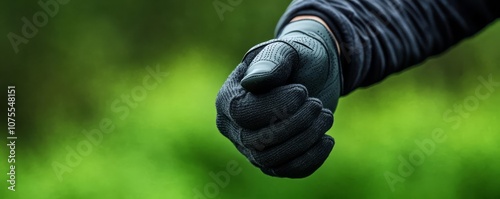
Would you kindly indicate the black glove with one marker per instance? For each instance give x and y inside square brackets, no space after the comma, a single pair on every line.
[277,105]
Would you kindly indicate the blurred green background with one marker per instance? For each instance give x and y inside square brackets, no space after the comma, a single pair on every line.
[73,73]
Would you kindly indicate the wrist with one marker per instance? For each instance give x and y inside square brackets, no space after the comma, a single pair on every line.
[319,52]
[318,19]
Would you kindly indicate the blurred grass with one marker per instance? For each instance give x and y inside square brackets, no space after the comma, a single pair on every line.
[91,53]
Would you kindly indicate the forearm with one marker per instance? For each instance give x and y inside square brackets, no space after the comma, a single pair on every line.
[381,37]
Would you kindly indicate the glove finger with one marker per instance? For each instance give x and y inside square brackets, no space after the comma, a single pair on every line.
[230,90]
[253,111]
[296,146]
[270,68]
[279,132]
[228,128]
[306,164]
[232,131]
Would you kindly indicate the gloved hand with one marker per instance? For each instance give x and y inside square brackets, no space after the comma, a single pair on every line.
[277,105]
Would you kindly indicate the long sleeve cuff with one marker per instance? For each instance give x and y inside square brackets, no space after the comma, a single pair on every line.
[381,37]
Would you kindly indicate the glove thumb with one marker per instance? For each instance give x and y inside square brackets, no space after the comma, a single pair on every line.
[271,68]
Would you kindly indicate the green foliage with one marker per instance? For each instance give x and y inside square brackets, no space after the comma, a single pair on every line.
[91,54]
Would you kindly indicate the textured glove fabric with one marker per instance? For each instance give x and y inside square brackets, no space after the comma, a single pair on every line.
[276,106]
[382,37]
[304,54]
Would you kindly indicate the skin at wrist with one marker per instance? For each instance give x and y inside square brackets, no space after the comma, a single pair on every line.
[315,18]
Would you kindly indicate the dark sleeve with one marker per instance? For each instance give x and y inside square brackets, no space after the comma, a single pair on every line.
[381,37]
